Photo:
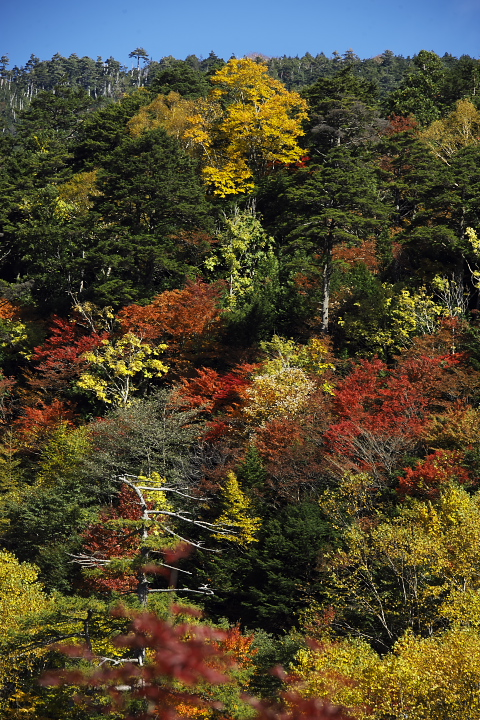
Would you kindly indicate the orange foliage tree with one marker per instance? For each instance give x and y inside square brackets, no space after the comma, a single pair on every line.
[37,423]
[189,321]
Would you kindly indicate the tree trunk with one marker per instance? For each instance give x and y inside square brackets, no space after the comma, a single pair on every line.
[142,587]
[327,276]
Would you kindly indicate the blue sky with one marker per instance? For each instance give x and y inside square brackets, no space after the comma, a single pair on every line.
[271,27]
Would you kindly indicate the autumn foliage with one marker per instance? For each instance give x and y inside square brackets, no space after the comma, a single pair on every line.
[37,422]
[292,451]
[8,310]
[382,412]
[188,321]
[59,361]
[240,311]
[184,660]
[111,539]
[433,472]
[213,391]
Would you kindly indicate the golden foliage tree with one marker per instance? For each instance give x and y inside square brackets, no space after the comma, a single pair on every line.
[171,112]
[20,592]
[457,130]
[114,365]
[412,572]
[284,383]
[248,123]
[21,595]
[434,678]
[259,127]
[237,514]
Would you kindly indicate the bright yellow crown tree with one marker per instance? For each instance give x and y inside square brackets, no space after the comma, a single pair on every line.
[248,123]
[259,127]
[116,364]
[457,130]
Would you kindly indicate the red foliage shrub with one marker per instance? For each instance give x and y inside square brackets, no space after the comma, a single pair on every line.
[9,311]
[7,385]
[59,360]
[430,474]
[219,396]
[383,412]
[399,124]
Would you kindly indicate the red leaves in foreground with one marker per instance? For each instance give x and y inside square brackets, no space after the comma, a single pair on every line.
[177,653]
[299,708]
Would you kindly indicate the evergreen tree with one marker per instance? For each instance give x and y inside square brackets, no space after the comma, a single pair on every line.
[444,202]
[343,110]
[421,92]
[267,584]
[105,129]
[320,206]
[151,201]
[179,76]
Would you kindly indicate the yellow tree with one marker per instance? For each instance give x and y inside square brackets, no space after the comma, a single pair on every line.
[20,592]
[459,129]
[62,454]
[434,678]
[237,514]
[21,595]
[260,126]
[407,314]
[75,197]
[412,572]
[286,381]
[115,364]
[248,123]
[172,112]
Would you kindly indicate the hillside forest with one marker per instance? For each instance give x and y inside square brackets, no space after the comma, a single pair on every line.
[239,388]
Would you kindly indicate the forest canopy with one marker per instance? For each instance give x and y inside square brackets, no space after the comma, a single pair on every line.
[240,387]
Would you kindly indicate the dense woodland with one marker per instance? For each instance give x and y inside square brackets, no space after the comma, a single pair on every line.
[240,387]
